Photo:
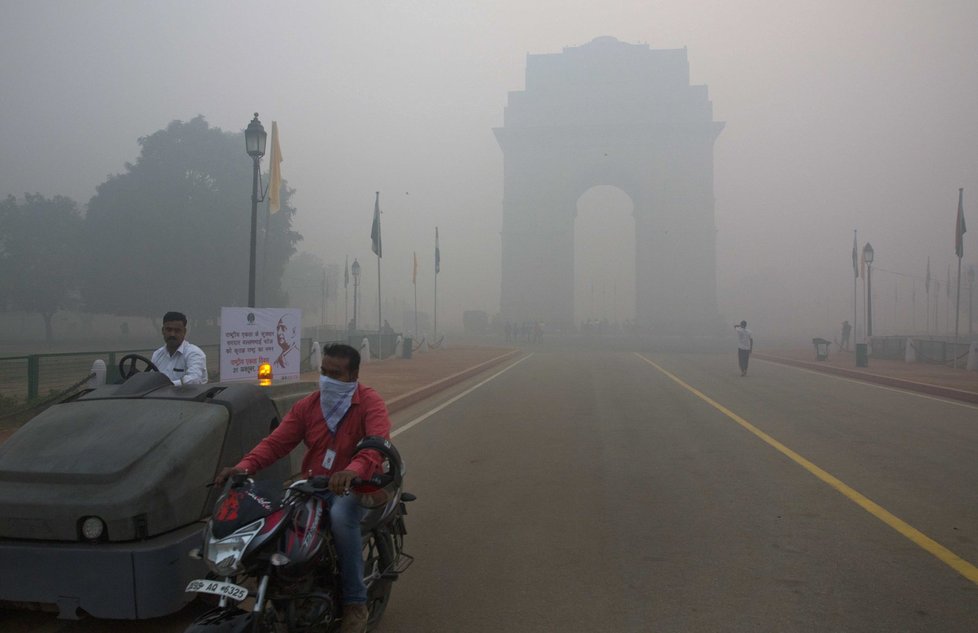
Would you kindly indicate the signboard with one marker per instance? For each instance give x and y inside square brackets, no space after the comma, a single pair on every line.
[251,336]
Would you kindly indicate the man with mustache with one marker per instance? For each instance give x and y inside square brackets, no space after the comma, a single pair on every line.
[182,362]
[330,422]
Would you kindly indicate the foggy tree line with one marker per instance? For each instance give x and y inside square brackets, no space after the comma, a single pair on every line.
[172,231]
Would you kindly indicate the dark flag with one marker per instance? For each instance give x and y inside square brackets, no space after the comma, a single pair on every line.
[375,244]
[437,253]
[959,227]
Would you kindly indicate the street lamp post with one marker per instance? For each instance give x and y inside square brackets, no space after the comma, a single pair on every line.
[868,258]
[255,146]
[355,270]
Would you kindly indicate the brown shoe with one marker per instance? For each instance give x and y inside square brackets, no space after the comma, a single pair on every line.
[354,618]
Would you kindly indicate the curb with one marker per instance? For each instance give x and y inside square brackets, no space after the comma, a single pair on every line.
[412,397]
[889,381]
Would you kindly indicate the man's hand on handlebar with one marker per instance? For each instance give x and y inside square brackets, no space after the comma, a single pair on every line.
[340,482]
[227,473]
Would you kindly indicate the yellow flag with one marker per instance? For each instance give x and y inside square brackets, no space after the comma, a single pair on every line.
[275,167]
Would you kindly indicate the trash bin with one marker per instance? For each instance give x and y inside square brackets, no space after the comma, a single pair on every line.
[407,345]
[862,355]
[821,348]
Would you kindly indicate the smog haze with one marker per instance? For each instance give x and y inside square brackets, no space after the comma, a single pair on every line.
[838,116]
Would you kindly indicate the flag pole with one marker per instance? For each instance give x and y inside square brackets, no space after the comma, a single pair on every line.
[379,251]
[414,279]
[380,318]
[346,292]
[437,270]
[959,229]
[855,291]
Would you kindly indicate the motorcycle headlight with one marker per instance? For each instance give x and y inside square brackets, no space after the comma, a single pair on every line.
[223,556]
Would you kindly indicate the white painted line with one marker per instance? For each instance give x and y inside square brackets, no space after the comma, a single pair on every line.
[422,418]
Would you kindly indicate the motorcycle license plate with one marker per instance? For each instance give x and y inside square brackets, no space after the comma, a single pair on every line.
[231,590]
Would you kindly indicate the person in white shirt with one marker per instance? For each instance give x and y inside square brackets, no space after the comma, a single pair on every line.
[182,362]
[745,344]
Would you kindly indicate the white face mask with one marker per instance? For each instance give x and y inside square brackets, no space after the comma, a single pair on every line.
[335,397]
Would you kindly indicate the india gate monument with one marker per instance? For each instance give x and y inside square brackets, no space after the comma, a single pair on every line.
[624,115]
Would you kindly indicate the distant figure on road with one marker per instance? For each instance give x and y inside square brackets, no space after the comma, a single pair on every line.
[745,344]
[182,362]
[846,330]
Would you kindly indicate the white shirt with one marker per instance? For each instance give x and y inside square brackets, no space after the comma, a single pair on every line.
[187,365]
[744,336]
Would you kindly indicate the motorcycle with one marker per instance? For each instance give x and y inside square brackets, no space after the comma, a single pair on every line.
[277,550]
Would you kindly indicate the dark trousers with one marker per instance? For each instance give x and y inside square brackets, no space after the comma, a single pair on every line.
[743,355]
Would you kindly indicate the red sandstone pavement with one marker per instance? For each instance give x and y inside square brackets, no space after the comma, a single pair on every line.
[403,382]
[934,379]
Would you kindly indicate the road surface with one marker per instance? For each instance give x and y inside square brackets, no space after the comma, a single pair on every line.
[589,491]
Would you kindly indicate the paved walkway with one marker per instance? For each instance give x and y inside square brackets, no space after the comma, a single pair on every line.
[402,382]
[935,379]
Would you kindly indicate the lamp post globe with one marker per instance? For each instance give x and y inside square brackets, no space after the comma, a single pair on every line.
[355,271]
[255,137]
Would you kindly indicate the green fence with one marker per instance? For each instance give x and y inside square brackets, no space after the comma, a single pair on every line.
[26,378]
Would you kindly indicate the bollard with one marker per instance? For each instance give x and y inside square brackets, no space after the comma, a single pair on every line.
[398,346]
[911,355]
[862,355]
[98,368]
[365,350]
[315,356]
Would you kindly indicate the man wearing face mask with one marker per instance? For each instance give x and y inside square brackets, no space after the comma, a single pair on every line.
[330,422]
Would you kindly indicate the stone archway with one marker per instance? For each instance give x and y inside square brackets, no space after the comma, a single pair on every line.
[610,113]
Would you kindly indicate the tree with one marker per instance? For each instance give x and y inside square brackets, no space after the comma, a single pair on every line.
[173,231]
[39,252]
[305,281]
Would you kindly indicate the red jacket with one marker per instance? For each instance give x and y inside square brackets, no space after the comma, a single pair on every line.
[304,423]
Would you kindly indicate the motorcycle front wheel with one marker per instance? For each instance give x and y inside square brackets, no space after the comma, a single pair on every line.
[379,559]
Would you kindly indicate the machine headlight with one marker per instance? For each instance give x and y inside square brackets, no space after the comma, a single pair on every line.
[224,555]
[92,528]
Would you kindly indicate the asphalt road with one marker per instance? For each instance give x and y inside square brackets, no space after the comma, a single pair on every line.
[593,492]
[583,491]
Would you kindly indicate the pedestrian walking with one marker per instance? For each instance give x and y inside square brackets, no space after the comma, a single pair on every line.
[846,330]
[745,345]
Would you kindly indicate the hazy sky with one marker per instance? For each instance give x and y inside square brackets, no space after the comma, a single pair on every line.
[839,115]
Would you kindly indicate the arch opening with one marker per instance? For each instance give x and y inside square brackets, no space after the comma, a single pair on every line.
[604,259]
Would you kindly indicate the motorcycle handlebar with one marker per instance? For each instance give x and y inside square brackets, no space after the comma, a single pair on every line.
[320,483]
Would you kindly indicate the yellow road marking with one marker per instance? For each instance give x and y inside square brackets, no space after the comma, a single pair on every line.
[917,537]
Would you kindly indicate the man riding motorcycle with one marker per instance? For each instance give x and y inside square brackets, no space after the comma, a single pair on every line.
[330,422]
